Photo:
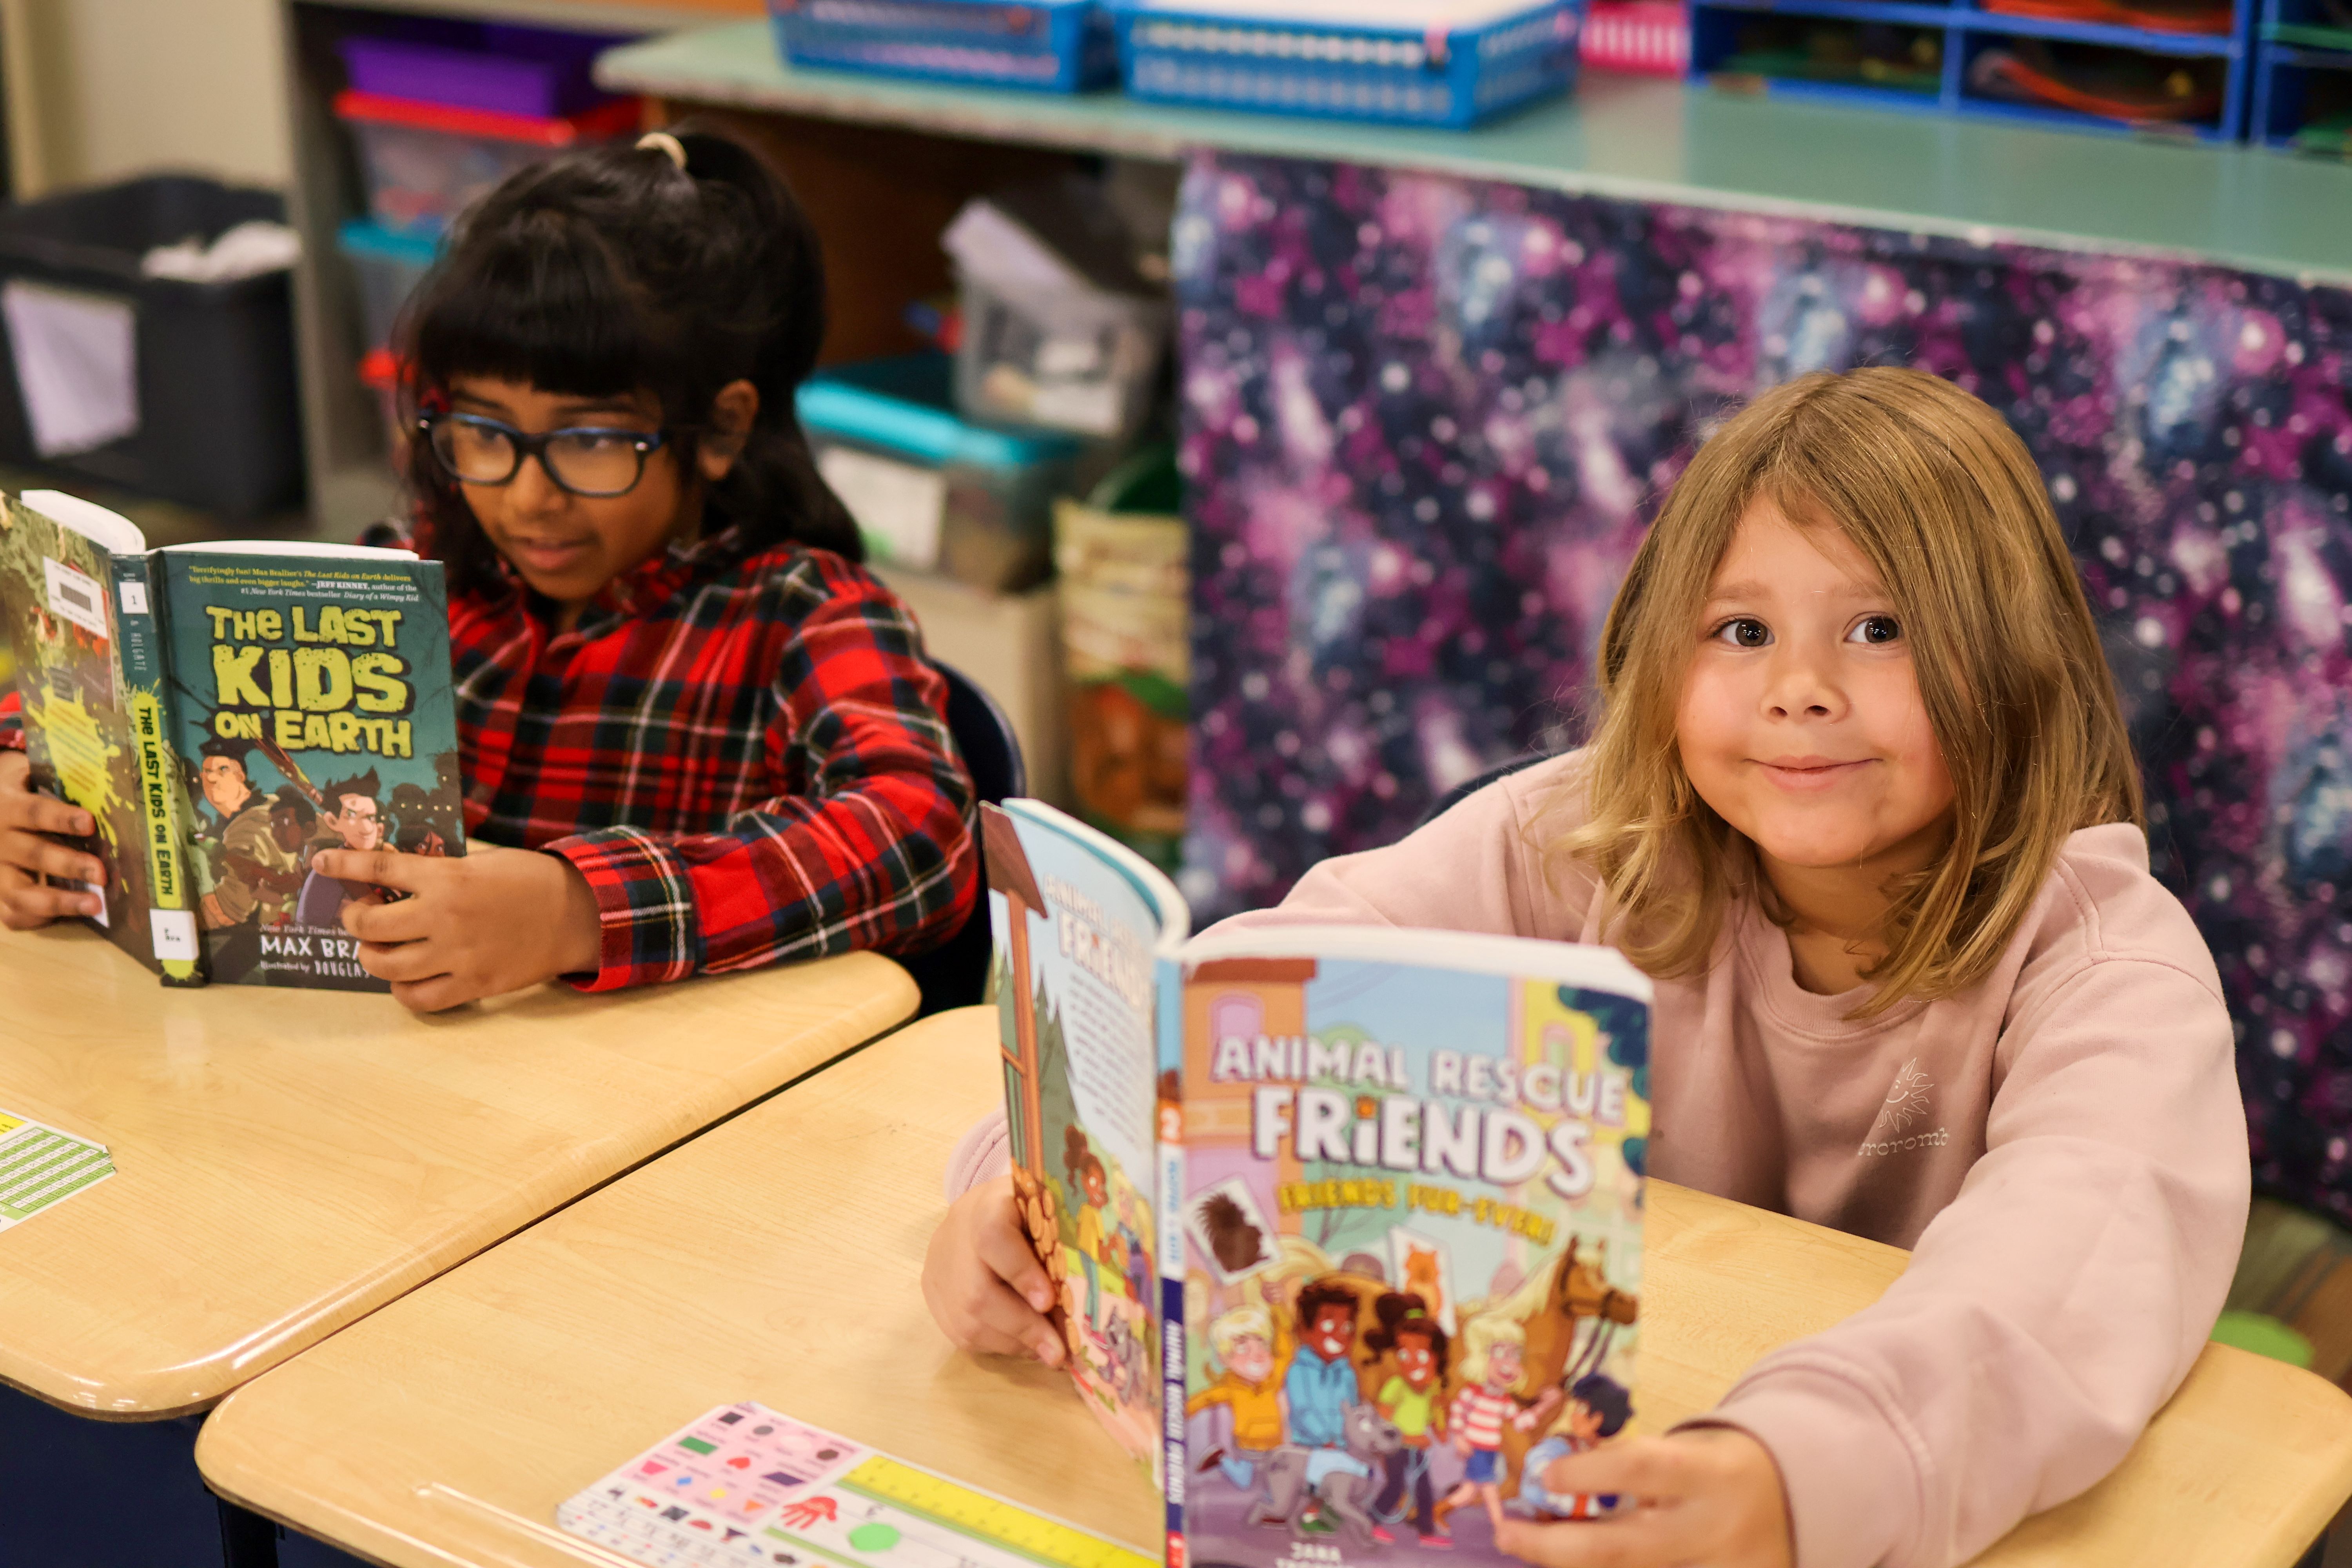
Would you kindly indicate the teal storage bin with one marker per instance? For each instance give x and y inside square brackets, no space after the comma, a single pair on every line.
[388,264]
[928,489]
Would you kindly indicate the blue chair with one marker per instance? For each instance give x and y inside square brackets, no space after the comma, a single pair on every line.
[1469,787]
[955,974]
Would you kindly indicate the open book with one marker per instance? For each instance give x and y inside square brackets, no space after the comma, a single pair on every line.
[224,711]
[1345,1222]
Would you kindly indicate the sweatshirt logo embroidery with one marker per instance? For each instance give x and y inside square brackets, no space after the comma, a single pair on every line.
[1908,1100]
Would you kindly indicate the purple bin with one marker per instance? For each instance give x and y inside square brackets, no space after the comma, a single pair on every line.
[514,70]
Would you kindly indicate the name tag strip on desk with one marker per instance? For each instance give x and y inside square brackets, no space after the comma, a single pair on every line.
[40,1166]
[744,1485]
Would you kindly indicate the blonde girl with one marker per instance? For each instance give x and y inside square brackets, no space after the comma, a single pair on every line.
[1493,1352]
[1861,799]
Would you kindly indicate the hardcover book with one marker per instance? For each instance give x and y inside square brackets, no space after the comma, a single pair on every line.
[1345,1222]
[224,711]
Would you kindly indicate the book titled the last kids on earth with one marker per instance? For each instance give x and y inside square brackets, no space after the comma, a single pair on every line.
[1345,1222]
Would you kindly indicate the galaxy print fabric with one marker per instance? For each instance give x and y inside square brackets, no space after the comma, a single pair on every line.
[1426,419]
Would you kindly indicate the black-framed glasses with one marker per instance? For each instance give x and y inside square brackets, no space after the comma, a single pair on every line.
[587,460]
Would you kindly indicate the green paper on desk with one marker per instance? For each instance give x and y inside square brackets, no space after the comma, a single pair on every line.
[39,1166]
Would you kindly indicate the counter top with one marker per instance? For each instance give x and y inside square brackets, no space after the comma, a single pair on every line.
[1645,140]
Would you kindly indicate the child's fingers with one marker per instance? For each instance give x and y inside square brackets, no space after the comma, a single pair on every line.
[435,995]
[1637,1540]
[405,922]
[1043,1345]
[385,868]
[31,812]
[998,1320]
[28,904]
[403,962]
[1004,1247]
[1647,1466]
[31,852]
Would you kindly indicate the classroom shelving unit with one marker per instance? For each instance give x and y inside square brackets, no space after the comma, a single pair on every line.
[342,424]
[2302,77]
[1943,44]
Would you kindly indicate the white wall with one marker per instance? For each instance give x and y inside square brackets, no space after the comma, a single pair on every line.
[102,88]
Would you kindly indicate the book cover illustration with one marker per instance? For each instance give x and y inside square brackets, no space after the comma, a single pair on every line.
[1412,1233]
[312,710]
[747,1485]
[1075,985]
[55,586]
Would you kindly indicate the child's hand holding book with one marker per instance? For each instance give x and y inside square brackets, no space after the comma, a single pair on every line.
[470,927]
[984,1286]
[27,856]
[1707,1494]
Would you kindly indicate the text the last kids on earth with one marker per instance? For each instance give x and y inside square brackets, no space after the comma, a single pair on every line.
[324,679]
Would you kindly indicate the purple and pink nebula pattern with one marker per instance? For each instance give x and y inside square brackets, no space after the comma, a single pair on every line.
[1426,420]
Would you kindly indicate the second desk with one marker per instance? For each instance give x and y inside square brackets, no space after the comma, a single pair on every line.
[289,1161]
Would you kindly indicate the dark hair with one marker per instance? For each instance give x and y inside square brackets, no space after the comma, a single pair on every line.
[1078,1159]
[365,785]
[613,271]
[294,801]
[1322,1294]
[1403,1312]
[1606,1397]
[234,751]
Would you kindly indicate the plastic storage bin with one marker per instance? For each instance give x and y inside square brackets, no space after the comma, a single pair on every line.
[388,264]
[929,490]
[1638,37]
[1488,60]
[2075,67]
[1055,46]
[1088,367]
[217,427]
[525,71]
[425,163]
[2303,78]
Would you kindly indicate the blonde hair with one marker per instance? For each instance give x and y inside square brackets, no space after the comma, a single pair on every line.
[1239,1323]
[1944,500]
[1480,1335]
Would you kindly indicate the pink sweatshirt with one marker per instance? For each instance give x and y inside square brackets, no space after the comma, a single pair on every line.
[2061,1147]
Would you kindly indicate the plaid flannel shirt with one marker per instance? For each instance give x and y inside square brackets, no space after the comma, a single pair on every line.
[748,758]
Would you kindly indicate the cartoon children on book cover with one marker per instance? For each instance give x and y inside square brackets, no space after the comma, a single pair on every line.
[1413,1224]
[1075,995]
[314,712]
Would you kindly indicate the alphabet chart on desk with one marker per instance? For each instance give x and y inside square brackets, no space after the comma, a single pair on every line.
[744,1486]
[39,1166]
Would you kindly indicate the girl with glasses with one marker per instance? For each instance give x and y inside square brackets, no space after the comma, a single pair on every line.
[710,739]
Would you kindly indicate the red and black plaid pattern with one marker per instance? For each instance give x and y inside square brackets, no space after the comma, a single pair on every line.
[747,757]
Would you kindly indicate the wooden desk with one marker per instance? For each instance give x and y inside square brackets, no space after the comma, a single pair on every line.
[2243,1469]
[289,1161]
[774,1258]
[447,1427]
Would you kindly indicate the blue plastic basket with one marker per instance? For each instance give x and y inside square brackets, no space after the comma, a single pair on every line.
[1052,46]
[1965,31]
[2303,73]
[1350,70]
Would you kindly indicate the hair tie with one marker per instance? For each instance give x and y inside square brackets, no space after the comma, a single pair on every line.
[662,141]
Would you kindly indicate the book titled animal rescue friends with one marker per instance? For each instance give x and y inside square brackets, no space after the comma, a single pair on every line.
[1345,1223]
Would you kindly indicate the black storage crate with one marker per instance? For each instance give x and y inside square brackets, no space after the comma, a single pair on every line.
[219,427]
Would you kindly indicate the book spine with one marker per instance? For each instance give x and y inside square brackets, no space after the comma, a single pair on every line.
[163,808]
[1169,1179]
